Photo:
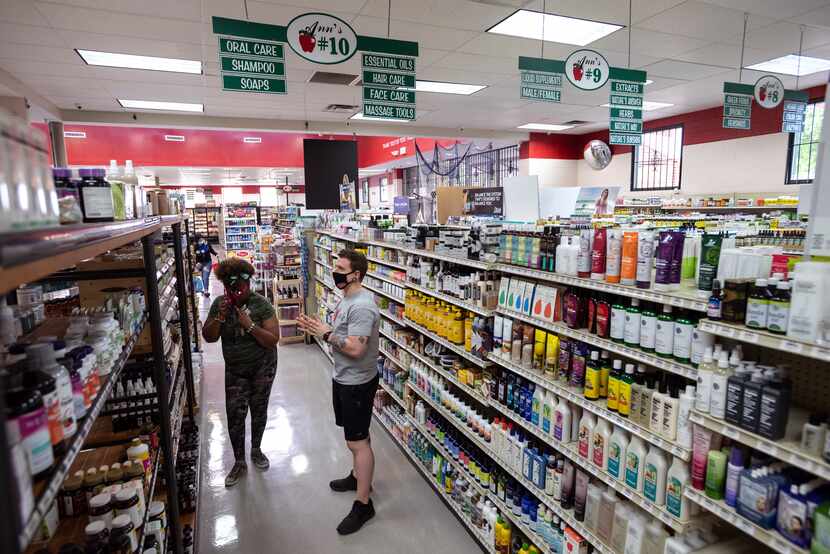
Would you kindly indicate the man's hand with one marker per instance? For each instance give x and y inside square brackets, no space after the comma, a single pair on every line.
[312,325]
[245,320]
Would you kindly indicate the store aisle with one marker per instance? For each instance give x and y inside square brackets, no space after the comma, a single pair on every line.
[290,508]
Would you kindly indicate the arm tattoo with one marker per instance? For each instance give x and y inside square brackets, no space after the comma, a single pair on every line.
[362,339]
[337,342]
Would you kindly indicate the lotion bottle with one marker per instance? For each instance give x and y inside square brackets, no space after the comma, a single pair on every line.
[705,373]
[670,405]
[677,479]
[717,396]
[600,444]
[617,445]
[684,410]
[654,476]
[635,463]
[586,430]
[562,422]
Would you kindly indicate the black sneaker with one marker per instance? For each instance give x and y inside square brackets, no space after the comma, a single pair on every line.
[344,485]
[259,460]
[360,514]
[237,471]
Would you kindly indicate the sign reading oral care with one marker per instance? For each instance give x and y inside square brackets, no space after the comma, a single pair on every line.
[321,38]
[586,69]
[769,92]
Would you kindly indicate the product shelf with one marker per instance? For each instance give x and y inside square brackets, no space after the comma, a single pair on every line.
[596,407]
[451,299]
[480,538]
[468,390]
[725,512]
[47,489]
[385,262]
[398,400]
[322,263]
[765,339]
[635,354]
[389,280]
[450,346]
[478,264]
[684,298]
[787,449]
[323,246]
[517,522]
[324,348]
[381,292]
[394,319]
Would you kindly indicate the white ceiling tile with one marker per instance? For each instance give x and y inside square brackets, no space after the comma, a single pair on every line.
[643,9]
[348,6]
[646,41]
[676,69]
[131,45]
[33,53]
[819,17]
[461,14]
[462,60]
[776,9]
[28,34]
[660,83]
[21,11]
[700,20]
[441,38]
[488,44]
[784,37]
[723,54]
[178,9]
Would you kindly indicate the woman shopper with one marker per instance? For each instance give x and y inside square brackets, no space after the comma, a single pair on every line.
[204,250]
[247,324]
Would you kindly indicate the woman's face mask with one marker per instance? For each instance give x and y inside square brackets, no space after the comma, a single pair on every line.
[238,288]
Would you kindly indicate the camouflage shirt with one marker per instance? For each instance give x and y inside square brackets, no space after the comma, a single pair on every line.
[244,356]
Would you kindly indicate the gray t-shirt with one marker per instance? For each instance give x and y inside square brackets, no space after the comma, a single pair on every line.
[357,316]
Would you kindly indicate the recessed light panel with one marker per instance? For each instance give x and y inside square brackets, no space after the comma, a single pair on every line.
[544,127]
[168,106]
[447,88]
[131,61]
[557,28]
[792,64]
[359,116]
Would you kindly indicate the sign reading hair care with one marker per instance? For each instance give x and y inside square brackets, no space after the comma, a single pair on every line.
[737,105]
[586,69]
[321,38]
[626,111]
[487,201]
[795,109]
[541,79]
[769,92]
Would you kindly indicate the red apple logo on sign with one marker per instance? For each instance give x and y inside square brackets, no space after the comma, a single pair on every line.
[762,93]
[307,39]
[577,71]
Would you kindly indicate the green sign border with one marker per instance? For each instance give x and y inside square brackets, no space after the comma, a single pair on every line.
[735,120]
[796,96]
[639,92]
[615,113]
[743,110]
[226,76]
[541,65]
[623,74]
[613,105]
[252,56]
[373,68]
[612,136]
[280,66]
[408,78]
[738,88]
[543,73]
[367,88]
[625,122]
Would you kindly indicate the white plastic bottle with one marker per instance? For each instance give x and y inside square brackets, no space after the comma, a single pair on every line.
[654,476]
[617,445]
[677,479]
[586,431]
[654,541]
[635,463]
[717,398]
[684,409]
[548,408]
[600,444]
[704,382]
[592,503]
[635,533]
[562,422]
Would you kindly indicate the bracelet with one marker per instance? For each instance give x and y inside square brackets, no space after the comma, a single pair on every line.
[251,328]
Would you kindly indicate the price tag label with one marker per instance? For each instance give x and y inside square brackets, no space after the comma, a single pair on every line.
[730,432]
[745,526]
[792,346]
[772,450]
[746,336]
[729,332]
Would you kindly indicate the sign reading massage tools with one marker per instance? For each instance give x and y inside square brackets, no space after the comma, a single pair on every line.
[737,105]
[388,87]
[252,65]
[541,79]
[795,109]
[321,38]
[586,69]
[626,101]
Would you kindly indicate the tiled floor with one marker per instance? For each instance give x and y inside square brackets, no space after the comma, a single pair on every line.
[290,508]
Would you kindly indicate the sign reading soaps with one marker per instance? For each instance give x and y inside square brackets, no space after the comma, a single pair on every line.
[795,109]
[737,105]
[626,101]
[321,38]
[388,87]
[541,79]
[587,70]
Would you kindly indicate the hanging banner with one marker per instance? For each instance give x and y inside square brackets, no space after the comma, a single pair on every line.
[737,105]
[626,111]
[486,201]
[587,69]
[252,65]
[389,87]
[321,38]
[541,79]
[795,108]
[769,92]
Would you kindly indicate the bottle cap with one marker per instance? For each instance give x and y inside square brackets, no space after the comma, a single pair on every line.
[629,369]
[595,355]
[618,364]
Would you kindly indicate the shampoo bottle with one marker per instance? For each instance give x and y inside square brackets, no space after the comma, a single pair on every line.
[635,463]
[617,445]
[733,474]
[586,430]
[684,410]
[717,397]
[624,394]
[562,422]
[600,444]
[677,479]
[705,374]
[654,476]
[607,508]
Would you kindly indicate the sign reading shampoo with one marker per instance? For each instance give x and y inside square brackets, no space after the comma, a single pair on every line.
[321,38]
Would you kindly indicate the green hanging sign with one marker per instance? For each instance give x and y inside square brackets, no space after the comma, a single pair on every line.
[626,100]
[737,105]
[541,79]
[389,87]
[795,109]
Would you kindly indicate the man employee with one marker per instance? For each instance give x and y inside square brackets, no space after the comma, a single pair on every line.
[354,342]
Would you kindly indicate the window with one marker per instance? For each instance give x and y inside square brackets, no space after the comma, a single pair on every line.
[656,163]
[384,190]
[802,153]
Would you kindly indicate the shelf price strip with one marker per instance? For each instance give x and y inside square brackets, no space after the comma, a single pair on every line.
[541,79]
[626,101]
[388,86]
[737,105]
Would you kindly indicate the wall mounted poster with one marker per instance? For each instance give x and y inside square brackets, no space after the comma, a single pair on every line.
[486,201]
[348,202]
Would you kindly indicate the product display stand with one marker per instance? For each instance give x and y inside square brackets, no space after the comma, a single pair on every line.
[295,304]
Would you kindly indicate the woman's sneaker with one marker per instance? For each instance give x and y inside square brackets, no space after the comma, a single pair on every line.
[237,471]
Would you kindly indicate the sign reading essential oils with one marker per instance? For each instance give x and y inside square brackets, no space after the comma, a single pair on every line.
[626,100]
[321,38]
[587,70]
[388,87]
[541,79]
[737,105]
[769,92]
[795,109]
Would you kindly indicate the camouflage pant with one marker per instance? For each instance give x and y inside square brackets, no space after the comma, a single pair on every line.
[242,393]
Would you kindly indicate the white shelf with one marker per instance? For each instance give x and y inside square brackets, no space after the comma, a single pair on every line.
[395,282]
[765,339]
[768,537]
[384,262]
[382,293]
[682,299]
[451,299]
[450,346]
[771,207]
[666,364]
[596,407]
[391,393]
[322,263]
[478,264]
[390,317]
[783,449]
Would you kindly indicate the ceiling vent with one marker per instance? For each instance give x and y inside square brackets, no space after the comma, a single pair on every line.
[576,122]
[340,108]
[329,78]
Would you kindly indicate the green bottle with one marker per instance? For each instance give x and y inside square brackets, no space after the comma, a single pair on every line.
[618,320]
[683,327]
[664,333]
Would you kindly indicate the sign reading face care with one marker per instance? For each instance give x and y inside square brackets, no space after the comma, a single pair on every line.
[586,69]
[321,38]
[769,92]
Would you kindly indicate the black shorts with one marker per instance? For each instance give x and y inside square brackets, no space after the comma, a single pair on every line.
[353,408]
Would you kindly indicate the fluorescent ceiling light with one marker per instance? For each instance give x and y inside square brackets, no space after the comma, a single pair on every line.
[648,82]
[130,61]
[557,28]
[647,105]
[792,64]
[174,138]
[359,116]
[74,134]
[252,140]
[153,105]
[545,127]
[447,88]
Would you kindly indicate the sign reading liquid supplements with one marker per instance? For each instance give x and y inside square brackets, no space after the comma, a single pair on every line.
[737,105]
[541,79]
[626,111]
[587,70]
[388,86]
[795,109]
